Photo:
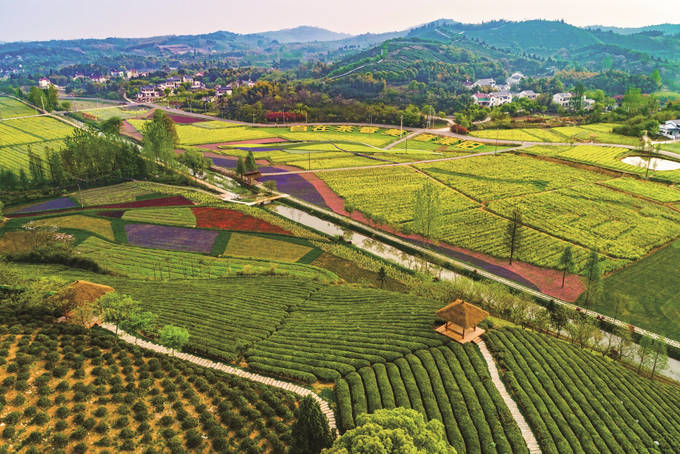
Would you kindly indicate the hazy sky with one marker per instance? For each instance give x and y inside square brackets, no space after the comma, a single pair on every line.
[63,19]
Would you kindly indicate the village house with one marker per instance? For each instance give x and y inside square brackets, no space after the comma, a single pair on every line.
[484,83]
[527,94]
[562,99]
[131,73]
[98,78]
[118,74]
[492,99]
[515,79]
[77,76]
[670,129]
[147,93]
[197,85]
[44,82]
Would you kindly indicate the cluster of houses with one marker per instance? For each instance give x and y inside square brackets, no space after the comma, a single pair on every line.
[149,93]
[496,94]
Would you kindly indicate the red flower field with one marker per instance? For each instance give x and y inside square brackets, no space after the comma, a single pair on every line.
[221,218]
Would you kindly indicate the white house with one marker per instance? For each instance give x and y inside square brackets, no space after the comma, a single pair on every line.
[562,99]
[527,94]
[147,93]
[98,78]
[131,73]
[490,83]
[515,79]
[670,129]
[492,99]
[197,85]
[118,74]
[44,82]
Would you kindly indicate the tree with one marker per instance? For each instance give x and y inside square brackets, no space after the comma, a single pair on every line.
[660,354]
[582,329]
[138,321]
[382,276]
[195,161]
[620,304]
[111,126]
[160,138]
[35,167]
[251,165]
[310,431]
[566,263]
[624,342]
[593,279]
[115,308]
[644,352]
[173,337]
[54,164]
[395,431]
[513,234]
[240,167]
[427,209]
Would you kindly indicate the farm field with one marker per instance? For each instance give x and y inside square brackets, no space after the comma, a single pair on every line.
[450,383]
[99,226]
[598,132]
[386,195]
[170,216]
[655,191]
[653,284]
[674,147]
[64,387]
[266,247]
[12,108]
[618,224]
[138,262]
[15,157]
[496,177]
[607,157]
[610,408]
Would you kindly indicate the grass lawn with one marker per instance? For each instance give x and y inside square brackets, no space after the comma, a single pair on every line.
[653,284]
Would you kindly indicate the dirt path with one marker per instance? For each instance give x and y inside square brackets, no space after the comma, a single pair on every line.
[524,427]
[299,390]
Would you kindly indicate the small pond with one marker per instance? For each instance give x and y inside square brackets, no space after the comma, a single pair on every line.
[657,164]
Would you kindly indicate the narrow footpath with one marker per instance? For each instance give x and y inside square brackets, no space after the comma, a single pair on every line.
[528,435]
[299,390]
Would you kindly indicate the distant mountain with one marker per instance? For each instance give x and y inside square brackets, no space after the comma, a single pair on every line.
[303,34]
[666,29]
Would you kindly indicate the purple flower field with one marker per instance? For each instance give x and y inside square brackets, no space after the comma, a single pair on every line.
[174,238]
[56,204]
[224,162]
[294,185]
[256,149]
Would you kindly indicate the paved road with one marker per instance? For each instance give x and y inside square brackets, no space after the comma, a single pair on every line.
[299,390]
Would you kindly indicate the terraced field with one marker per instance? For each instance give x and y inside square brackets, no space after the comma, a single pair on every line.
[654,191]
[450,383]
[138,262]
[607,409]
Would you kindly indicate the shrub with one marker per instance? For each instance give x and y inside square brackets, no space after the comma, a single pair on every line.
[193,439]
[78,434]
[40,419]
[100,412]
[8,432]
[63,412]
[12,418]
[127,445]
[33,438]
[60,425]
[80,448]
[59,441]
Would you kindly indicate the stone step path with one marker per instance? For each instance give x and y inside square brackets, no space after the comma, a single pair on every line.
[524,427]
[299,390]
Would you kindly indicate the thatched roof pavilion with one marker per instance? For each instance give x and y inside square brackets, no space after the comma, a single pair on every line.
[460,317]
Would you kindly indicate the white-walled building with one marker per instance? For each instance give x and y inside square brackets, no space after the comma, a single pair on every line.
[44,82]
[670,129]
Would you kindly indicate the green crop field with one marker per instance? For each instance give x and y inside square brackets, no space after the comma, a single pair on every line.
[387,195]
[261,247]
[653,284]
[138,262]
[607,157]
[170,216]
[12,108]
[674,147]
[15,157]
[450,383]
[655,191]
[599,132]
[92,224]
[576,401]
[496,177]
[124,192]
[618,224]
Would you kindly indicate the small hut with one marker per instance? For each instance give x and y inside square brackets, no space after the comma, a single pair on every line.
[461,320]
[78,294]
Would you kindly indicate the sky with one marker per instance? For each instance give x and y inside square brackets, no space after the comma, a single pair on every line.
[27,20]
